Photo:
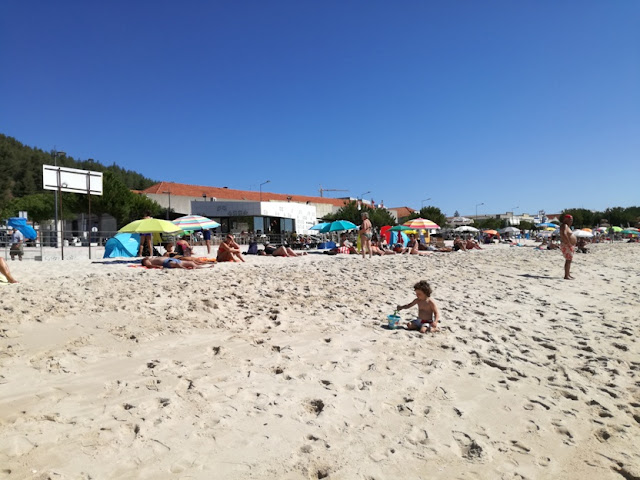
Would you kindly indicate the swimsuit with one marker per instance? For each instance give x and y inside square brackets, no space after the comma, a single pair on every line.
[567,251]
[419,323]
[167,263]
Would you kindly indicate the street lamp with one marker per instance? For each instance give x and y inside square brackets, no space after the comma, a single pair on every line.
[169,204]
[426,200]
[477,205]
[263,183]
[56,154]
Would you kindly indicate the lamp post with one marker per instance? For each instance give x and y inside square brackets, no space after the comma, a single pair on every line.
[263,183]
[169,204]
[422,204]
[56,154]
[477,205]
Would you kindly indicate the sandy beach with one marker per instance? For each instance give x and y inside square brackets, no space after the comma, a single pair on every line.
[280,368]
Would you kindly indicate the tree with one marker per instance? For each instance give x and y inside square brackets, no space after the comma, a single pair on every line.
[456,213]
[39,207]
[378,216]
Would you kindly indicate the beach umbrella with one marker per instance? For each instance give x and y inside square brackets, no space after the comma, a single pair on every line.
[510,230]
[551,229]
[616,229]
[400,228]
[582,234]
[465,228]
[150,225]
[320,226]
[195,222]
[490,232]
[586,229]
[421,224]
[339,226]
[546,225]
[630,231]
[461,221]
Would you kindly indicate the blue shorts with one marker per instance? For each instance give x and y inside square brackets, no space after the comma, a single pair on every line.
[207,234]
[167,263]
[418,323]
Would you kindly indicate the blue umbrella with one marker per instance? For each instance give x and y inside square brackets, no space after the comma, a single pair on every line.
[337,226]
[320,226]
[546,225]
[340,225]
[20,224]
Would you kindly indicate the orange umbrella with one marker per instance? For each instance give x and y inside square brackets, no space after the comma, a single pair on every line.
[490,232]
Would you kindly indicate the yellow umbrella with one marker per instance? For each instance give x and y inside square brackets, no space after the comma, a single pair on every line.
[550,229]
[421,224]
[150,225]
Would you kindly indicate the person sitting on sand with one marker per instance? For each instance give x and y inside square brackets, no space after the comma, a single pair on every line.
[183,247]
[458,244]
[582,245]
[378,249]
[4,270]
[471,244]
[410,244]
[229,250]
[281,251]
[162,262]
[428,313]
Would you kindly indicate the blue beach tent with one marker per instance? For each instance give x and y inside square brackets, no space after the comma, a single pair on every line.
[122,245]
[20,224]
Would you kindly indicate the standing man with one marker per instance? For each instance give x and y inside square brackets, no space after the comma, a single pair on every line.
[366,234]
[567,244]
[207,239]
[17,247]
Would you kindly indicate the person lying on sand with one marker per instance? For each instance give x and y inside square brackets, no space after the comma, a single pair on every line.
[229,250]
[428,313]
[4,270]
[171,254]
[163,262]
[280,251]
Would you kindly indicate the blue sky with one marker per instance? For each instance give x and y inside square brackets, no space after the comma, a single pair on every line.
[527,104]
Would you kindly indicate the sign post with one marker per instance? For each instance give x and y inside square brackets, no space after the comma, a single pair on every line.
[72,180]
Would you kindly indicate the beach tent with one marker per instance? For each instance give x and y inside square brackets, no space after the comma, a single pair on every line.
[122,245]
[20,224]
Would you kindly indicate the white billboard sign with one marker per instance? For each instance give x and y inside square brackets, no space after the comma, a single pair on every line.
[71,180]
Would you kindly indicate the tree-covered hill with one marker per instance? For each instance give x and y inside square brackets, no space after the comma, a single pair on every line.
[21,185]
[21,168]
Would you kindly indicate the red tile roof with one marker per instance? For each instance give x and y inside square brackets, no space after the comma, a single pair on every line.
[183,190]
[403,211]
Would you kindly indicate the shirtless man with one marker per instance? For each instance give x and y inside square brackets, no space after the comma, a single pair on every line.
[163,262]
[567,244]
[366,234]
[229,251]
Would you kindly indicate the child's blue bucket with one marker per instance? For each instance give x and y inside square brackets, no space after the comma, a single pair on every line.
[393,321]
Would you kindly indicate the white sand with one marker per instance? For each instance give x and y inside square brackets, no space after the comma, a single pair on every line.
[279,368]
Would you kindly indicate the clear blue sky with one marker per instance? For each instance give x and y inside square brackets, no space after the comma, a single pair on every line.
[528,104]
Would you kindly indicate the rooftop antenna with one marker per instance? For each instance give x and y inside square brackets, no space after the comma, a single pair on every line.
[322,190]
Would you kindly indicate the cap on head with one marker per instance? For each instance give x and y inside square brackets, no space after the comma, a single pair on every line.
[567,217]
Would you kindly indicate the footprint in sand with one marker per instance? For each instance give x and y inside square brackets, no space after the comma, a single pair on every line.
[469,448]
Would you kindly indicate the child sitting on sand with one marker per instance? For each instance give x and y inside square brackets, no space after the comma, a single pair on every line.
[428,313]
